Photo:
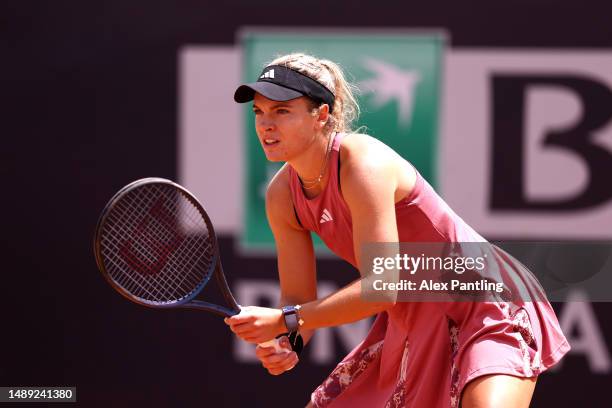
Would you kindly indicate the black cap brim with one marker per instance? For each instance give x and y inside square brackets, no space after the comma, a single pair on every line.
[246,93]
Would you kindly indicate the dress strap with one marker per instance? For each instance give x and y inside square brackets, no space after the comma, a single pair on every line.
[337,140]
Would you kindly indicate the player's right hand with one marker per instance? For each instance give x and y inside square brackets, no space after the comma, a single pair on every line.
[277,362]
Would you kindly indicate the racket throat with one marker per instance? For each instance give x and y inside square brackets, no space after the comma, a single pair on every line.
[225,289]
[210,307]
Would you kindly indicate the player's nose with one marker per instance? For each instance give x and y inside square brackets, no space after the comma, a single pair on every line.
[264,124]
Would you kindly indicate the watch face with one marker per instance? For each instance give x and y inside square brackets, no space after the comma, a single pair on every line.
[291,320]
[288,309]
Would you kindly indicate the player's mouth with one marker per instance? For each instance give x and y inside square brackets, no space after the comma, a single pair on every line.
[270,142]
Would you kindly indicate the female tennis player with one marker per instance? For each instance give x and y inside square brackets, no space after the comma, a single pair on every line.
[351,189]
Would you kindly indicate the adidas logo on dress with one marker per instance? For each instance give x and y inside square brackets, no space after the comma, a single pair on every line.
[326,216]
[268,74]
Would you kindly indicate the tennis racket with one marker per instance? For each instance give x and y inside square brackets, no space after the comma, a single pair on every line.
[156,246]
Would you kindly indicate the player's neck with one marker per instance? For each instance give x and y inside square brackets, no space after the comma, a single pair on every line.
[313,164]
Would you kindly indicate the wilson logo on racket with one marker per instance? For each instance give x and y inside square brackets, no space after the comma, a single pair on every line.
[145,233]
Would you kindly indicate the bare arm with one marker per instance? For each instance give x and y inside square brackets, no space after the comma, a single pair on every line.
[295,253]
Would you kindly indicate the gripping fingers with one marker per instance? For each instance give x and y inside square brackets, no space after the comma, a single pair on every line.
[275,343]
[278,364]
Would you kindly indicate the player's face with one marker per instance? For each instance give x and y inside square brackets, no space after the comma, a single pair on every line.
[285,129]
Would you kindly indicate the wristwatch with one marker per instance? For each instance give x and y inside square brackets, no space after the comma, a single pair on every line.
[292,317]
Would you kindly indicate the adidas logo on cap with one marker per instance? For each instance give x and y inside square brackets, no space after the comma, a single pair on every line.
[268,74]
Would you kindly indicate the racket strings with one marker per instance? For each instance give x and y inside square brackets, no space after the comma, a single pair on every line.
[133,282]
[156,244]
[146,241]
[161,224]
[163,278]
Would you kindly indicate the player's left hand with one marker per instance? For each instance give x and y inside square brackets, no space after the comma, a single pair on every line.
[257,324]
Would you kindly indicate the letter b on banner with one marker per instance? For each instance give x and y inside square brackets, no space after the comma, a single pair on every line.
[565,113]
[527,143]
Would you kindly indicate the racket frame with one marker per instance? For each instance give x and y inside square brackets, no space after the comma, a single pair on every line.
[188,301]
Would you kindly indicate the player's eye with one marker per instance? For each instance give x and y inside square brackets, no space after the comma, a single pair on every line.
[282,111]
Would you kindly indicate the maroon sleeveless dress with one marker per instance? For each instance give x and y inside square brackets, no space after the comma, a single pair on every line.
[422,354]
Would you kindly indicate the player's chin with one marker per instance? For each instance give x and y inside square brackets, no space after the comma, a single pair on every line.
[275,158]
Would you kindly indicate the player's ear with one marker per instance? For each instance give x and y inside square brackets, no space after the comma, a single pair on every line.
[323,115]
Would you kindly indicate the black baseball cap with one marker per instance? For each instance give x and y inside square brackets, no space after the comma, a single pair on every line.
[280,83]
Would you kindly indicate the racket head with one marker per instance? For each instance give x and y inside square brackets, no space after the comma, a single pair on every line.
[155,244]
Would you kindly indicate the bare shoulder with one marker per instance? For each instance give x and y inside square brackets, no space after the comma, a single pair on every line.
[366,160]
[364,153]
[279,185]
[362,145]
[279,204]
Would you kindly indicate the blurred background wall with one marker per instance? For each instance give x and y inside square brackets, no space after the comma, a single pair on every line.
[97,94]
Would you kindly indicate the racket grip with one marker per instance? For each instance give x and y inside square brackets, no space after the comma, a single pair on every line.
[276,344]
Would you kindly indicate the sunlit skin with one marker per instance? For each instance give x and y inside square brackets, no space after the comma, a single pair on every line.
[498,391]
[374,178]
